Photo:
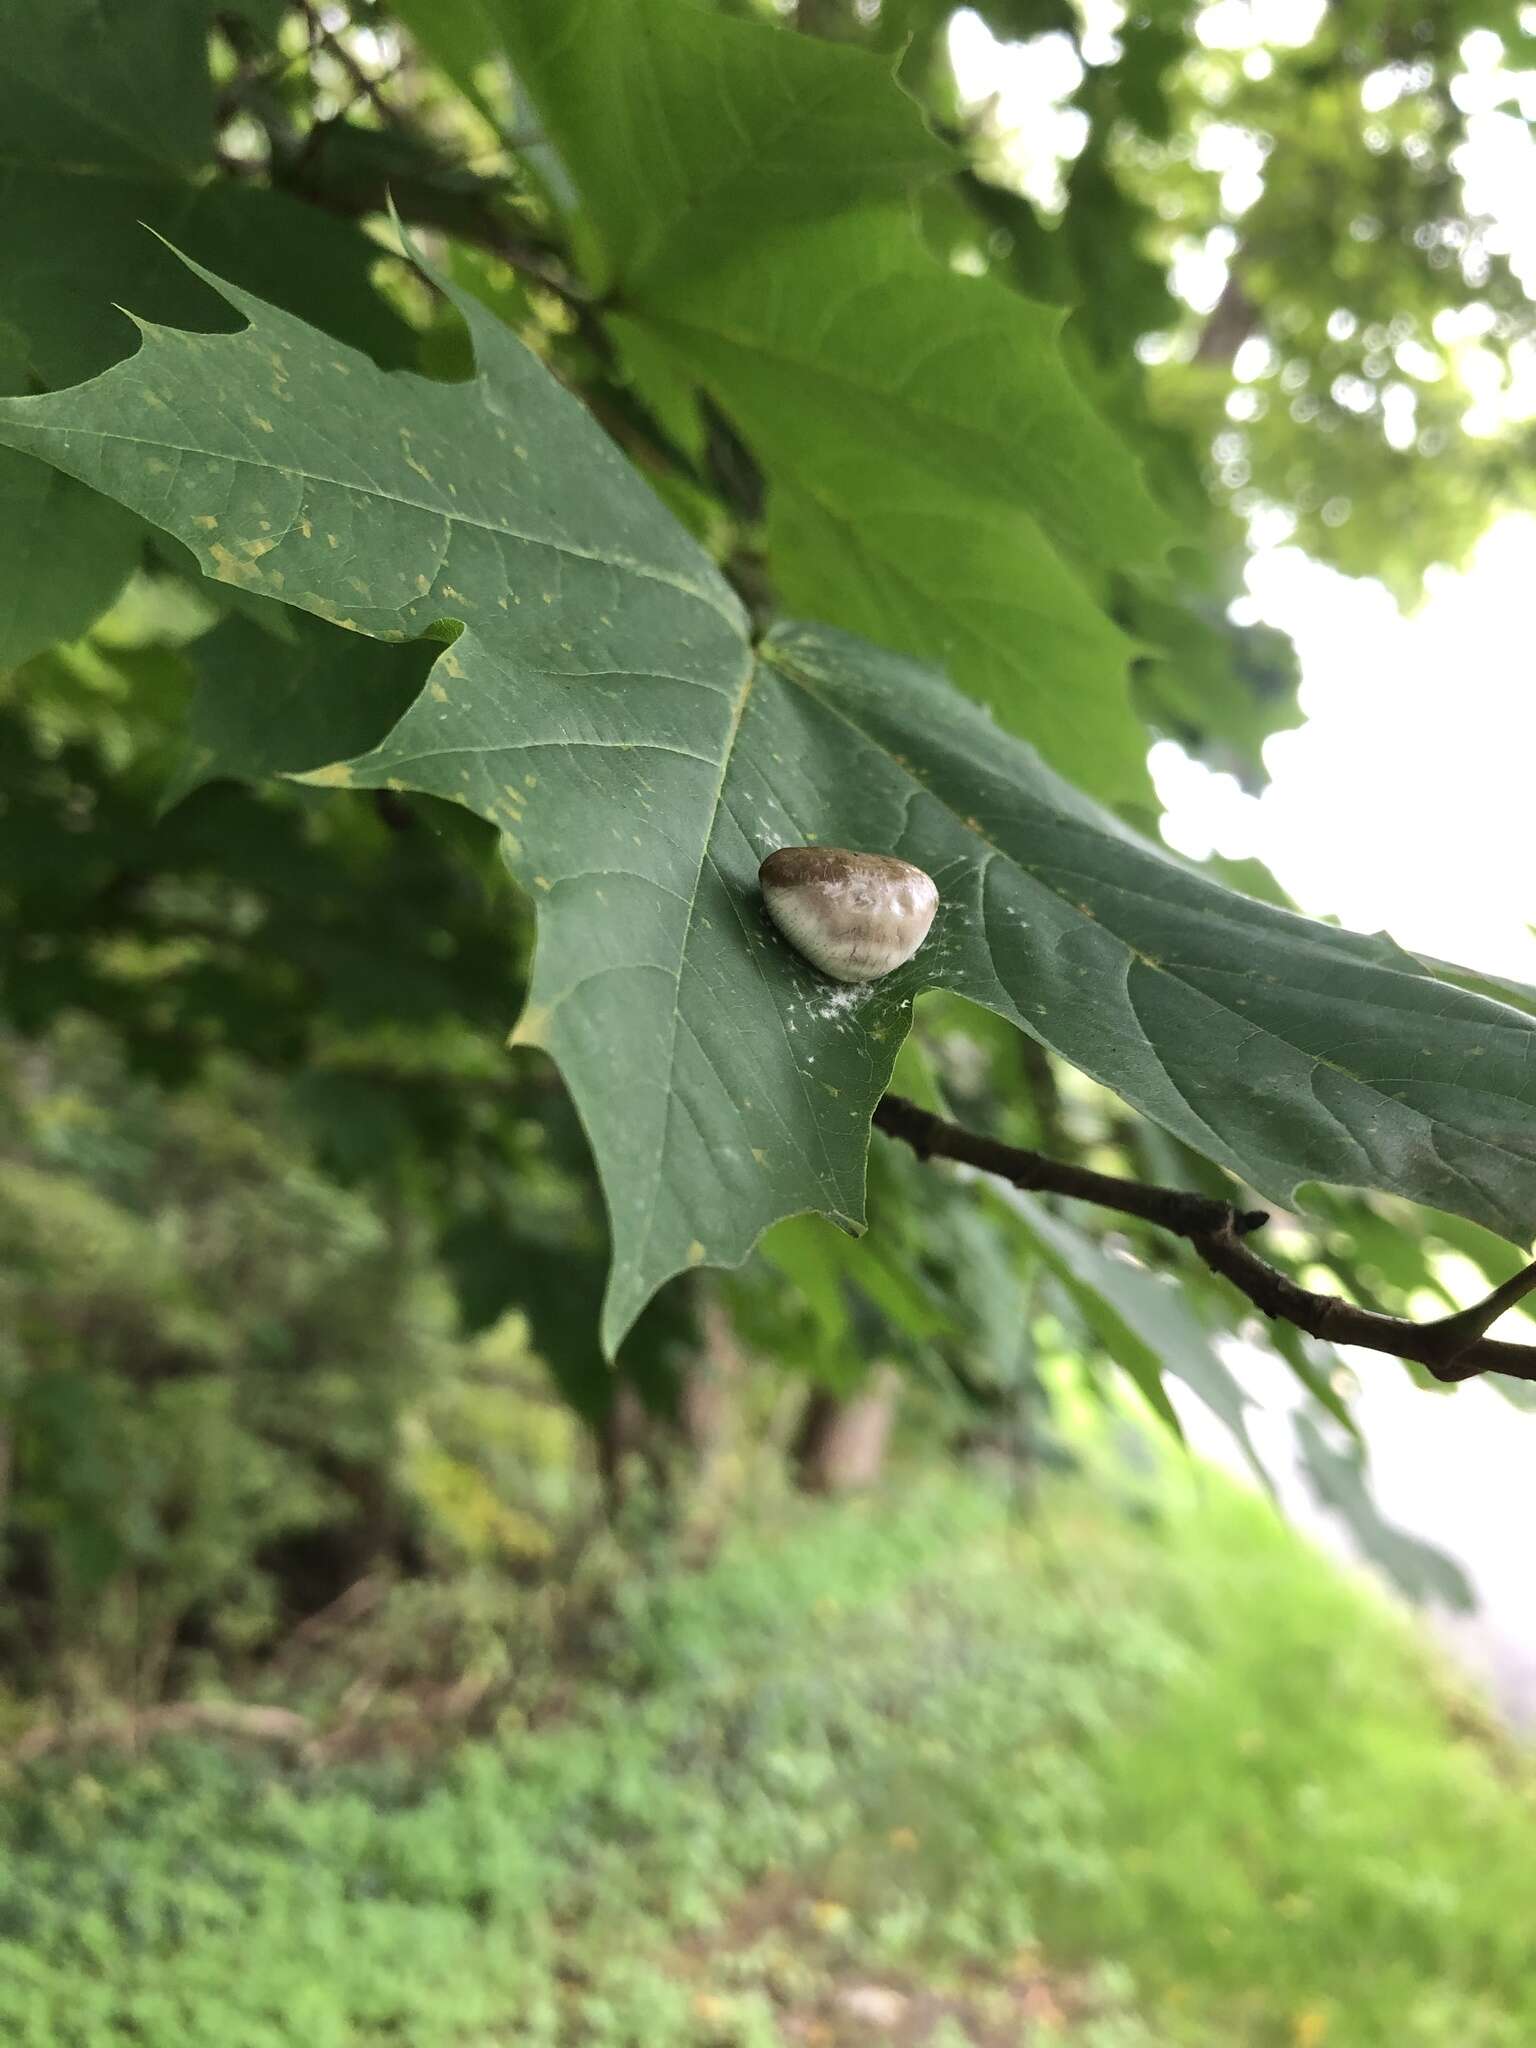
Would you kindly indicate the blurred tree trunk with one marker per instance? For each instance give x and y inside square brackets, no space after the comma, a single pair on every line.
[697,1429]
[842,1440]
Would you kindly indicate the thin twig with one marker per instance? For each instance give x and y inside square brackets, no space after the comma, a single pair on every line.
[368,88]
[1452,1348]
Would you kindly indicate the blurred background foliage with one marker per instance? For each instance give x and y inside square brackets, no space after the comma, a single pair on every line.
[300,1269]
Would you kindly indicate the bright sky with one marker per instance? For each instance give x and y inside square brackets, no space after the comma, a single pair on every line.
[1405,801]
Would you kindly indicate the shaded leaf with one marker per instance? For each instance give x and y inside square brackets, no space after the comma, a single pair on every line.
[935,473]
[280,693]
[1337,1480]
[1142,1320]
[688,132]
[67,552]
[108,117]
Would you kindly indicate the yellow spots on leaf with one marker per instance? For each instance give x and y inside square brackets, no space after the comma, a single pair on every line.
[230,568]
[255,549]
[549,597]
[437,693]
[206,520]
[695,1253]
[760,1157]
[530,782]
[450,664]
[501,604]
[265,525]
[449,591]
[420,468]
[306,527]
[423,585]
[520,451]
[338,775]
[331,541]
[154,399]
[265,425]
[393,782]
[342,369]
[542,882]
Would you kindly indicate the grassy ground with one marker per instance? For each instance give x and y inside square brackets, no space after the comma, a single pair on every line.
[902,1773]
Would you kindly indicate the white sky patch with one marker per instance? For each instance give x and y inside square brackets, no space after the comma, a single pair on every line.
[1251,24]
[1026,87]
[1405,801]
[1237,156]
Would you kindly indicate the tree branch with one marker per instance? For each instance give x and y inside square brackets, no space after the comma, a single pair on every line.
[1452,1348]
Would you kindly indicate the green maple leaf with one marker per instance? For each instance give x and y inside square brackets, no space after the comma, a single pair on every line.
[936,480]
[603,704]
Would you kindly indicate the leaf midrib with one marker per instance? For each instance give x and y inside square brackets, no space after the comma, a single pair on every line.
[727,751]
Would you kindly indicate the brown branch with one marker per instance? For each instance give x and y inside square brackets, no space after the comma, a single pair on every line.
[1452,1348]
[368,88]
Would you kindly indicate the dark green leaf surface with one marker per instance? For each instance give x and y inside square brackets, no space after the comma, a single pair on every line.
[108,117]
[108,120]
[66,553]
[283,695]
[935,472]
[604,708]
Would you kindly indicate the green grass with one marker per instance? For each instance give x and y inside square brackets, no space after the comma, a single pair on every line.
[1169,1784]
